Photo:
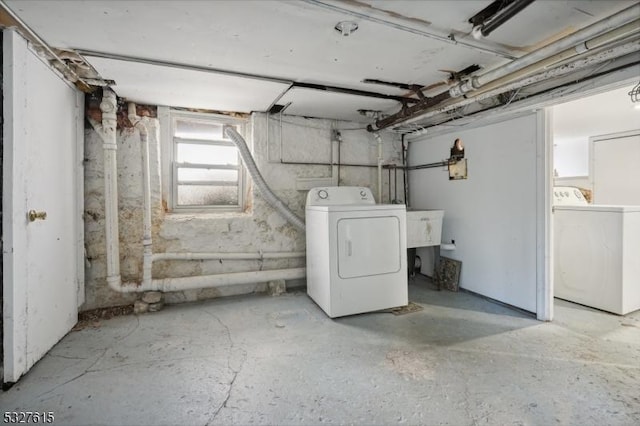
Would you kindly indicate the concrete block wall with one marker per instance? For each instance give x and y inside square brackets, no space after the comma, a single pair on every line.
[258,228]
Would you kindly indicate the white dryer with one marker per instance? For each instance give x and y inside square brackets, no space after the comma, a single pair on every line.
[356,251]
[596,248]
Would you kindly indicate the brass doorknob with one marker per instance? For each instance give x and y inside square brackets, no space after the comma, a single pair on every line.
[33,215]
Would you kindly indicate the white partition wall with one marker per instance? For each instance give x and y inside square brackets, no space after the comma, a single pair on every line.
[615,168]
[499,216]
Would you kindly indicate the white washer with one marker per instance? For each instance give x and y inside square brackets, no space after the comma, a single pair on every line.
[597,248]
[356,251]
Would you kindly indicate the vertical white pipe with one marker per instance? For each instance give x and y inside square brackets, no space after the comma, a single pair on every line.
[146,193]
[380,161]
[109,146]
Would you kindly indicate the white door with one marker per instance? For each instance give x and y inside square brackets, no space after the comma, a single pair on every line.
[41,171]
[615,171]
[364,246]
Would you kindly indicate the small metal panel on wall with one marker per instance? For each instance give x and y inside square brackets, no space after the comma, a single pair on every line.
[458,169]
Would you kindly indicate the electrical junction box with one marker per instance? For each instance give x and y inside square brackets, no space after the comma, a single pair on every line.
[424,228]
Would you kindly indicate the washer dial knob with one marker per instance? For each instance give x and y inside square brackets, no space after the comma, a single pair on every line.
[322,194]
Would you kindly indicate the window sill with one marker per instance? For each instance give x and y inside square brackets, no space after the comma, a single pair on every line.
[183,216]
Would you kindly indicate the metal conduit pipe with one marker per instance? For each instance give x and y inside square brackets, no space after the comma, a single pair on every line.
[582,62]
[436,103]
[588,45]
[262,186]
[227,256]
[146,192]
[573,40]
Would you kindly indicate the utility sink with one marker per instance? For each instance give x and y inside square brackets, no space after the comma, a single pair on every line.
[424,228]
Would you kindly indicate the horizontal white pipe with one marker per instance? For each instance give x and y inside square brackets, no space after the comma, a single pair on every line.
[571,40]
[227,256]
[210,281]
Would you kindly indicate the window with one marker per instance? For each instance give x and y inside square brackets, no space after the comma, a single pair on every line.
[207,172]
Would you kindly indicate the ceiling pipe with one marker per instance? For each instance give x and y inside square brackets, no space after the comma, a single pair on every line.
[535,61]
[589,45]
[574,40]
[563,70]
[565,89]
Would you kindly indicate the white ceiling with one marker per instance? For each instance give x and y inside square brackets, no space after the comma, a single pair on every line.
[291,40]
[596,115]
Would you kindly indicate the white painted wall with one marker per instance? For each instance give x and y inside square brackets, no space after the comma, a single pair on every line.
[259,228]
[492,215]
[576,121]
[578,181]
[615,169]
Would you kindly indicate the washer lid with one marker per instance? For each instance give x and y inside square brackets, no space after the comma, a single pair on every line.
[600,208]
[359,208]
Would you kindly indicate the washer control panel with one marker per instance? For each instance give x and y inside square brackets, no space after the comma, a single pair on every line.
[568,196]
[339,195]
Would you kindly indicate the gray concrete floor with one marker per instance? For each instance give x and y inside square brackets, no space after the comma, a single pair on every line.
[279,360]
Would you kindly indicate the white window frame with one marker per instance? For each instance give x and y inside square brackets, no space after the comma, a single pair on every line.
[168,118]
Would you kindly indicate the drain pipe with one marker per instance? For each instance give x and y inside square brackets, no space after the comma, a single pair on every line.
[146,193]
[262,186]
[218,280]
[107,131]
